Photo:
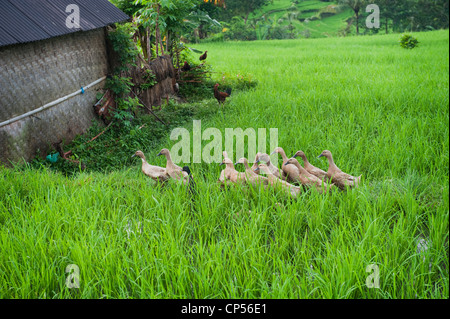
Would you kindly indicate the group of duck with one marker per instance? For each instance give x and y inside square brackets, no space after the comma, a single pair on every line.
[292,177]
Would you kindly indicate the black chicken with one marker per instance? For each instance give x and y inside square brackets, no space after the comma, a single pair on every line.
[191,184]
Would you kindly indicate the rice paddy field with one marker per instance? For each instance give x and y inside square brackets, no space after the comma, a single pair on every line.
[307,11]
[380,109]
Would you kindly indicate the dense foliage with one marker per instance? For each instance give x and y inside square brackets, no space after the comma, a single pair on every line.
[404,15]
[195,20]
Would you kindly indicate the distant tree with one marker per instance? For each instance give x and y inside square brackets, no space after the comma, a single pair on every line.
[244,8]
[414,14]
[356,6]
[385,11]
[400,12]
[219,3]
[212,9]
[129,7]
[200,21]
[165,18]
[431,14]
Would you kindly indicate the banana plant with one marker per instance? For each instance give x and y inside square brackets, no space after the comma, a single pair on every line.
[199,20]
[262,27]
[165,17]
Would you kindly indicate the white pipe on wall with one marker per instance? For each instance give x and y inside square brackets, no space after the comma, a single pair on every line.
[46,106]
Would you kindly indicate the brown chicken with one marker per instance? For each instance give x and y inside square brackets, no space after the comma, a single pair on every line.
[186,67]
[204,56]
[221,96]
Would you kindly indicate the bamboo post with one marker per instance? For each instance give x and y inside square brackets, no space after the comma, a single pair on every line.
[156,30]
[149,49]
[158,7]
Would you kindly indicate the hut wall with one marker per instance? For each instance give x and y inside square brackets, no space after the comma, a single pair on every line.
[37,73]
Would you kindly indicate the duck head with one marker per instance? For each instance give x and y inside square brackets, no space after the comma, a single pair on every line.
[299,154]
[164,152]
[263,157]
[325,153]
[290,161]
[139,154]
[262,168]
[242,160]
[226,162]
[278,150]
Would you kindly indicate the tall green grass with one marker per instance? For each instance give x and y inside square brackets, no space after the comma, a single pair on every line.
[381,110]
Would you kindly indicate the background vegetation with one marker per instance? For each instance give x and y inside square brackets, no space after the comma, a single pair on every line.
[287,19]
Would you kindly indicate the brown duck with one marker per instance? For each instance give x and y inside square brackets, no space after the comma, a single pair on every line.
[310,168]
[156,173]
[264,158]
[250,174]
[173,170]
[276,182]
[307,179]
[222,178]
[231,174]
[338,177]
[289,170]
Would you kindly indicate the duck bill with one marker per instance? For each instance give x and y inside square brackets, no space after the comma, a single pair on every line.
[134,155]
[273,153]
[159,154]
[321,155]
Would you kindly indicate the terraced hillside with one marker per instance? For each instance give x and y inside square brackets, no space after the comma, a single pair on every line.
[310,18]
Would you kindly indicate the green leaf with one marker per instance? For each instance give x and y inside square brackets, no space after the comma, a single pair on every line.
[195,50]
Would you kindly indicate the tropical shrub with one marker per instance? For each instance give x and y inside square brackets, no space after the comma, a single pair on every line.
[407,41]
